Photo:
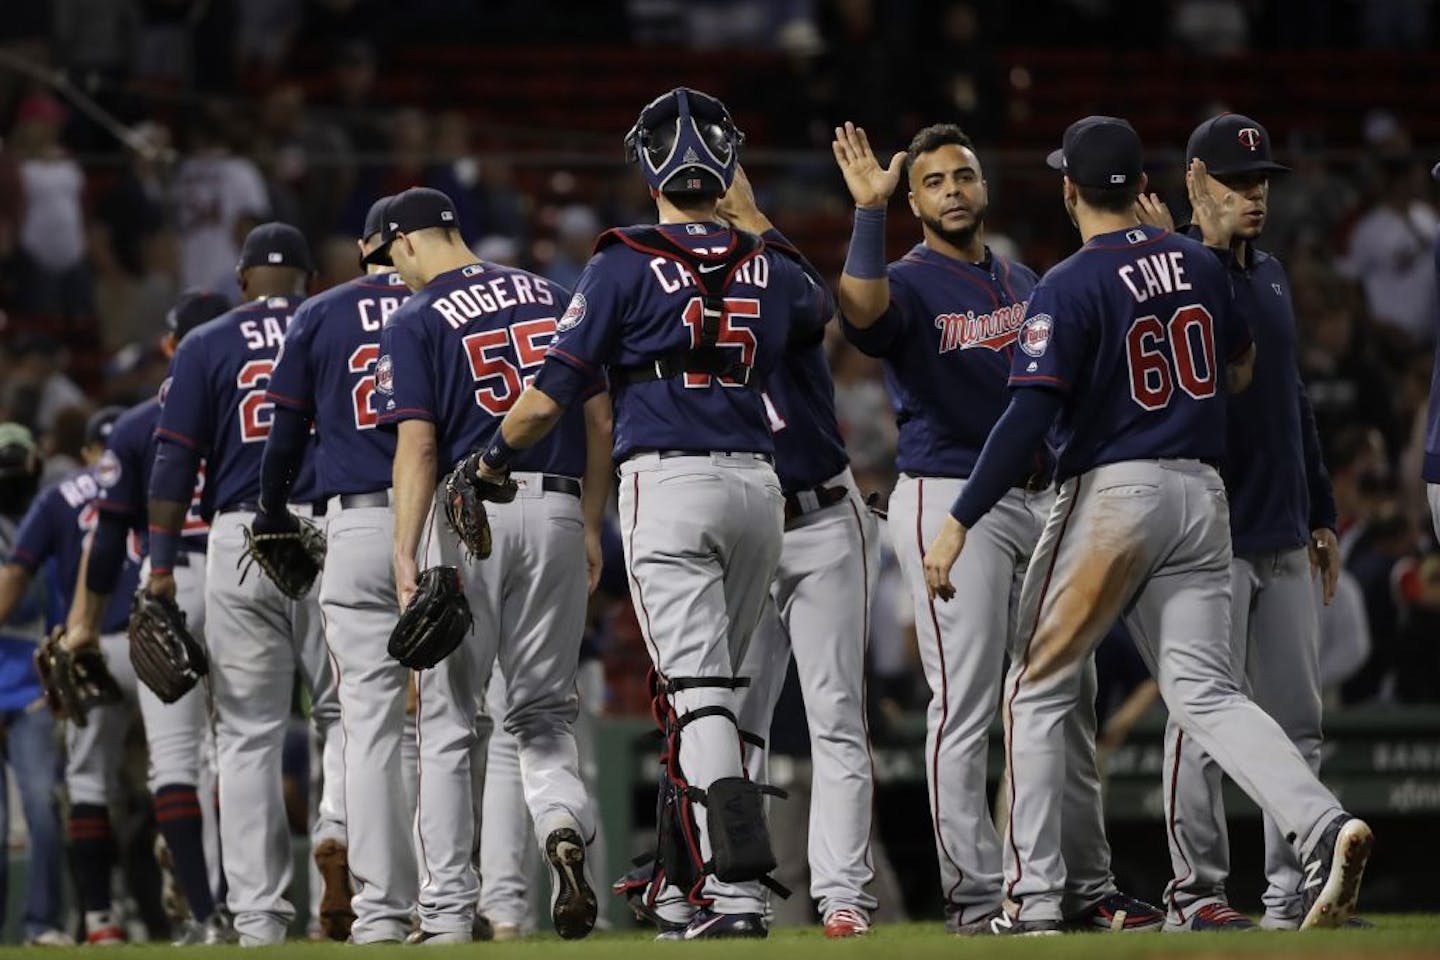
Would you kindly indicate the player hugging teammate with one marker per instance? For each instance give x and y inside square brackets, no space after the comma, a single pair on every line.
[456,425]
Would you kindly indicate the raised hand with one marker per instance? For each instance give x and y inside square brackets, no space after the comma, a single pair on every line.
[1153,212]
[738,207]
[870,184]
[1216,216]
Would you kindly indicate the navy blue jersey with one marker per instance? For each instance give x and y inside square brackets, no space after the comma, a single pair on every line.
[124,475]
[631,307]
[459,353]
[799,399]
[326,372]
[55,529]
[1432,416]
[1272,460]
[216,403]
[1134,329]
[946,340]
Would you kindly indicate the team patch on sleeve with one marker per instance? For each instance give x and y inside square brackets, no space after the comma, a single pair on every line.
[1034,336]
[107,469]
[573,314]
[385,375]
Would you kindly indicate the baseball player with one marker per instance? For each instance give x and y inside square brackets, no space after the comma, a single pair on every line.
[174,733]
[453,359]
[688,319]
[326,374]
[944,320]
[1128,348]
[57,526]
[1282,525]
[1431,470]
[258,638]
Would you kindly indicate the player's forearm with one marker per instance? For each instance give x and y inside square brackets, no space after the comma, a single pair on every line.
[280,463]
[1011,444]
[1323,512]
[1239,373]
[528,422]
[599,459]
[864,285]
[413,485]
[14,581]
[100,565]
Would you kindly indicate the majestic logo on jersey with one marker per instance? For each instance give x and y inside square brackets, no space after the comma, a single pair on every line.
[107,469]
[1034,337]
[1249,138]
[573,314]
[385,375]
[966,331]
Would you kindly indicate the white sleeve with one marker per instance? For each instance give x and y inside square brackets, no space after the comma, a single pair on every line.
[245,192]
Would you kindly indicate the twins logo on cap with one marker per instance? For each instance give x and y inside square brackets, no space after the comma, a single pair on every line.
[1249,138]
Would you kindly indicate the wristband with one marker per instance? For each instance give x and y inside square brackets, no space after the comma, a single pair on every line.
[866,257]
[498,455]
[164,548]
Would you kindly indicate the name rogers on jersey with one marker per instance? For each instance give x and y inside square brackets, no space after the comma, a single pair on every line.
[966,331]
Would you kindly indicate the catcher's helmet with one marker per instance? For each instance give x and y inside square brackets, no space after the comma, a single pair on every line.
[686,144]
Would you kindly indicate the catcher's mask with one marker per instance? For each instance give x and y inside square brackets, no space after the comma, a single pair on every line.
[686,144]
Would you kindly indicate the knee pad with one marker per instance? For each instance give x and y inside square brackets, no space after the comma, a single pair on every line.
[739,838]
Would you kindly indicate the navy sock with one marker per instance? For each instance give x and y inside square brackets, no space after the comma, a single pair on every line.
[92,852]
[177,815]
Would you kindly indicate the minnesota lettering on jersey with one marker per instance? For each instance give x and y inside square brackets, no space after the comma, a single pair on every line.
[967,331]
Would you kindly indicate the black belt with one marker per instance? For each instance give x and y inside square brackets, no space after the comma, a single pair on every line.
[824,496]
[668,454]
[355,501]
[317,509]
[551,483]
[1036,482]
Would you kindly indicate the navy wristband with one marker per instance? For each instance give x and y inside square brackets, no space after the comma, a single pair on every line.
[866,257]
[164,548]
[498,454]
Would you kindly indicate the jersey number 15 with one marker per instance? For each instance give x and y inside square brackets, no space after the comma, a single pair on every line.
[1191,334]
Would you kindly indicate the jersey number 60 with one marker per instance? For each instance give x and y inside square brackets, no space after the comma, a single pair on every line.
[1191,332]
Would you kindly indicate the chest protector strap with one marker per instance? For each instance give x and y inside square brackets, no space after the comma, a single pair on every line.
[713,275]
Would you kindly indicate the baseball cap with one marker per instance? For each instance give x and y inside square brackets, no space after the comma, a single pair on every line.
[418,208]
[1232,143]
[192,309]
[1099,152]
[101,422]
[276,245]
[375,218]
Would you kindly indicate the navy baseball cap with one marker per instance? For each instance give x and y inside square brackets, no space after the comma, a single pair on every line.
[1232,143]
[1099,152]
[375,218]
[418,208]
[276,245]
[192,309]
[101,422]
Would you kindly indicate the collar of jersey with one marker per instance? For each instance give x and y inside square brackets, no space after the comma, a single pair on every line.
[925,251]
[450,276]
[677,231]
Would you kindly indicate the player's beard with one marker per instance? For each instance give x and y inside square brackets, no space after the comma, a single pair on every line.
[961,237]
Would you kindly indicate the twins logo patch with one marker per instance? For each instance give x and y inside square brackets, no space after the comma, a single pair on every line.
[385,375]
[573,314]
[1034,336]
[107,469]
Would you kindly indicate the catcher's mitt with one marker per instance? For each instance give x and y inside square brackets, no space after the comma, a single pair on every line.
[435,621]
[76,681]
[287,549]
[165,656]
[465,495]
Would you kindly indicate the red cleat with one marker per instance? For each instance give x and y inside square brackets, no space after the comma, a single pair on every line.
[846,922]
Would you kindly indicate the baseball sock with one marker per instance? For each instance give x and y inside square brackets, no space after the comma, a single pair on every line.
[92,851]
[177,815]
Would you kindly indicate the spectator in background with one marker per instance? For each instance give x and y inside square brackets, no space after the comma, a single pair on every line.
[308,166]
[337,260]
[27,728]
[218,198]
[1307,206]
[961,75]
[53,277]
[1389,251]
[576,227]
[36,388]
[1215,28]
[352,101]
[1346,380]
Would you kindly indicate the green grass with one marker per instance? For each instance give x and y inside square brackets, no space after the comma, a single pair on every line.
[1397,935]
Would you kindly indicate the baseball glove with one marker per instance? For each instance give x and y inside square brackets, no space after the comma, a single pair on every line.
[75,681]
[287,549]
[465,495]
[435,621]
[165,656]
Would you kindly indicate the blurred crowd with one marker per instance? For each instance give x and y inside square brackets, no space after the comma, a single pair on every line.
[223,128]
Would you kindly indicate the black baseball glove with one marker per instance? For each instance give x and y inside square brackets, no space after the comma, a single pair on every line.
[287,549]
[435,621]
[76,681]
[465,495]
[165,656]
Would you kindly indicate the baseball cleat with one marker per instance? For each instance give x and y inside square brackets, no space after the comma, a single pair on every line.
[1119,913]
[575,907]
[219,930]
[336,916]
[106,937]
[1214,917]
[481,928]
[709,925]
[505,932]
[1333,872]
[635,888]
[1004,925]
[846,922]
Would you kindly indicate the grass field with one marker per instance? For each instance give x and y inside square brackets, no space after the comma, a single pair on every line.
[1396,936]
